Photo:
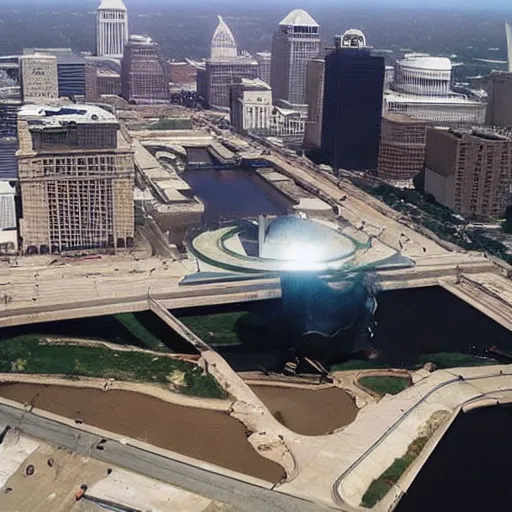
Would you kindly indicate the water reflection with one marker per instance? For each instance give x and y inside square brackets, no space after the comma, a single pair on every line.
[468,471]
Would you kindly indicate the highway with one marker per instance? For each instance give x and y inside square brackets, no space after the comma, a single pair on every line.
[243,496]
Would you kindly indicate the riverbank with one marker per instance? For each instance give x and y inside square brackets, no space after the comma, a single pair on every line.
[208,435]
[31,355]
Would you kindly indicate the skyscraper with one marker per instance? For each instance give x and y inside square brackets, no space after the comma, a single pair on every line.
[39,77]
[508,32]
[76,180]
[470,170]
[144,72]
[264,64]
[223,42]
[295,43]
[352,109]
[499,92]
[111,29]
[219,75]
[315,101]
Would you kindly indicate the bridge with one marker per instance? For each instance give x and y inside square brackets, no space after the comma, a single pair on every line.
[42,294]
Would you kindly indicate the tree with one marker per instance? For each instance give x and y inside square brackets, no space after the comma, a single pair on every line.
[419,181]
[507,225]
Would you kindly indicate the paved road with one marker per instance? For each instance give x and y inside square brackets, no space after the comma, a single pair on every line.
[244,496]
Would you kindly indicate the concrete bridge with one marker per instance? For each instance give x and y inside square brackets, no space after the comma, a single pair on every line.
[36,299]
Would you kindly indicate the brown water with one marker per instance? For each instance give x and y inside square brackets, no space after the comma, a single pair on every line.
[312,412]
[211,436]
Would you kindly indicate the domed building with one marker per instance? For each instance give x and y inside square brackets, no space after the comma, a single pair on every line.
[290,244]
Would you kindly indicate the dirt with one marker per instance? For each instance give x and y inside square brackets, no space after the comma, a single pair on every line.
[211,436]
[311,412]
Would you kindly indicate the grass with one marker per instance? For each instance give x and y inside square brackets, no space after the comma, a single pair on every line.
[30,354]
[380,486]
[139,331]
[455,360]
[358,364]
[385,385]
[215,329]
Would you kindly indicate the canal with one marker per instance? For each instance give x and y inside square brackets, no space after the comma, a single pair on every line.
[412,327]
[468,471]
[234,194]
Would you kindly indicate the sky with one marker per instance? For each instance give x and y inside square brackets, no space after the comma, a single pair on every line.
[505,5]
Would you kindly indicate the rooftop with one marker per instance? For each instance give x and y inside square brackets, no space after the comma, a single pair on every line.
[426,62]
[64,55]
[254,83]
[299,17]
[115,5]
[453,99]
[58,116]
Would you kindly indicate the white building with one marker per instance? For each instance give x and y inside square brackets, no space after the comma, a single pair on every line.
[39,77]
[223,43]
[251,106]
[287,125]
[295,43]
[111,29]
[508,33]
[421,90]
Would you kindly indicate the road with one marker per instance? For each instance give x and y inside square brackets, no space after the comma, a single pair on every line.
[244,496]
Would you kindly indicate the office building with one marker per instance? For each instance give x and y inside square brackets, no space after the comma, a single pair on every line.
[421,89]
[9,139]
[223,46]
[264,66]
[108,82]
[470,170]
[498,86]
[288,126]
[402,148]
[182,74]
[8,223]
[74,76]
[39,78]
[508,33]
[315,100]
[352,106]
[76,176]
[295,43]
[144,72]
[10,77]
[420,96]
[251,106]
[111,29]
[214,85]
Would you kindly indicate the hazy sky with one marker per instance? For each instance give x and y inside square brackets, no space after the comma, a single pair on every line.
[505,5]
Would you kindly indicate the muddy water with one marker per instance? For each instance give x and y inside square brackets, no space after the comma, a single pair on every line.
[311,412]
[208,435]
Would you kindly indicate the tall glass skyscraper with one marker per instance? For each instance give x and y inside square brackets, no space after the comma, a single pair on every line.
[352,109]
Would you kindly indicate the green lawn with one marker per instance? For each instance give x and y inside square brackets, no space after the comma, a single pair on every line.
[30,354]
[379,487]
[454,360]
[215,329]
[139,331]
[358,364]
[385,384]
